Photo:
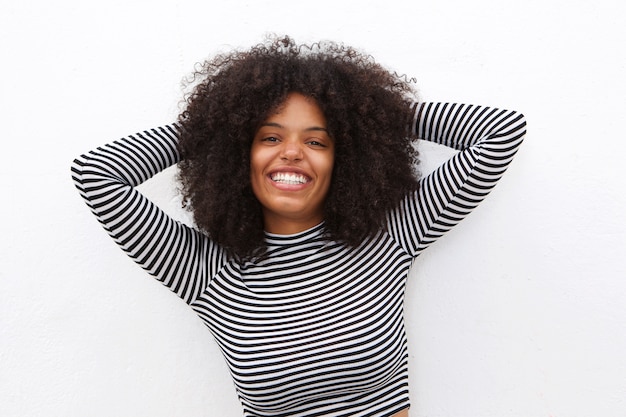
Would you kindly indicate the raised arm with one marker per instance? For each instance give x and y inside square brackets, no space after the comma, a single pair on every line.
[487,139]
[179,256]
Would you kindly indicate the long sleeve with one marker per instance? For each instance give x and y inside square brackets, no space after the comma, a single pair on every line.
[179,256]
[487,139]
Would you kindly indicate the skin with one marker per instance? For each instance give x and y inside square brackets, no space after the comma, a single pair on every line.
[292,144]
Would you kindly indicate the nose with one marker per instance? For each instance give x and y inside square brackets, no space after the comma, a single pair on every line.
[291,151]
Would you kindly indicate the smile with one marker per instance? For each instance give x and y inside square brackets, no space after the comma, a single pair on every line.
[289,178]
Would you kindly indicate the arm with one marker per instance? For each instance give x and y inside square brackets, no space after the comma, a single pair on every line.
[487,139]
[180,257]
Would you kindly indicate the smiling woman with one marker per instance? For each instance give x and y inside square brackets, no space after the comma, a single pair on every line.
[291,165]
[297,163]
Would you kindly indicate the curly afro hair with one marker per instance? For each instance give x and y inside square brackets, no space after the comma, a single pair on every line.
[368,110]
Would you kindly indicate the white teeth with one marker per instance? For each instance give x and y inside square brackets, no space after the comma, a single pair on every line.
[289,178]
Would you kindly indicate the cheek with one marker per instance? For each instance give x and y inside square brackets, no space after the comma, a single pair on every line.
[256,172]
[254,177]
[329,165]
[255,161]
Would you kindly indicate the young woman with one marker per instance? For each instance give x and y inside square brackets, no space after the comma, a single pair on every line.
[299,167]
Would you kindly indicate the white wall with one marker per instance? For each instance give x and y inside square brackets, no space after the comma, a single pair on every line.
[520,311]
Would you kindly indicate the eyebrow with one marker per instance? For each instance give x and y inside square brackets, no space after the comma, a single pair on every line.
[308,129]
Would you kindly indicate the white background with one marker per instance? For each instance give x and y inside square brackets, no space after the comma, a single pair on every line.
[519,311]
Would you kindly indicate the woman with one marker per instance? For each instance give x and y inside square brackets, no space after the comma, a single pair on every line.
[298,165]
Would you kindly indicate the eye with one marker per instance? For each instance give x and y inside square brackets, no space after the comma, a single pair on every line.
[314,142]
[269,139]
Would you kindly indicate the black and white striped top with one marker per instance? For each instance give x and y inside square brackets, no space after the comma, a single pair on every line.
[317,328]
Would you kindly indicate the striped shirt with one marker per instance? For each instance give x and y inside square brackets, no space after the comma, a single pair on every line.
[315,328]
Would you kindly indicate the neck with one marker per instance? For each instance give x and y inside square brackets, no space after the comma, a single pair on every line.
[283,226]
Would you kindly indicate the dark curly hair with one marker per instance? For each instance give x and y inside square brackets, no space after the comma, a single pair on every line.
[368,113]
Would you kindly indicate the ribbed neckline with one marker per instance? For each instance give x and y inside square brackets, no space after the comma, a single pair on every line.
[274,239]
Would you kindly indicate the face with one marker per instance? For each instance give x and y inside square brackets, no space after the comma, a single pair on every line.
[291,165]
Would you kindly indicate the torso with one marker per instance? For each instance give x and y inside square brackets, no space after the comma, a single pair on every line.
[313,317]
